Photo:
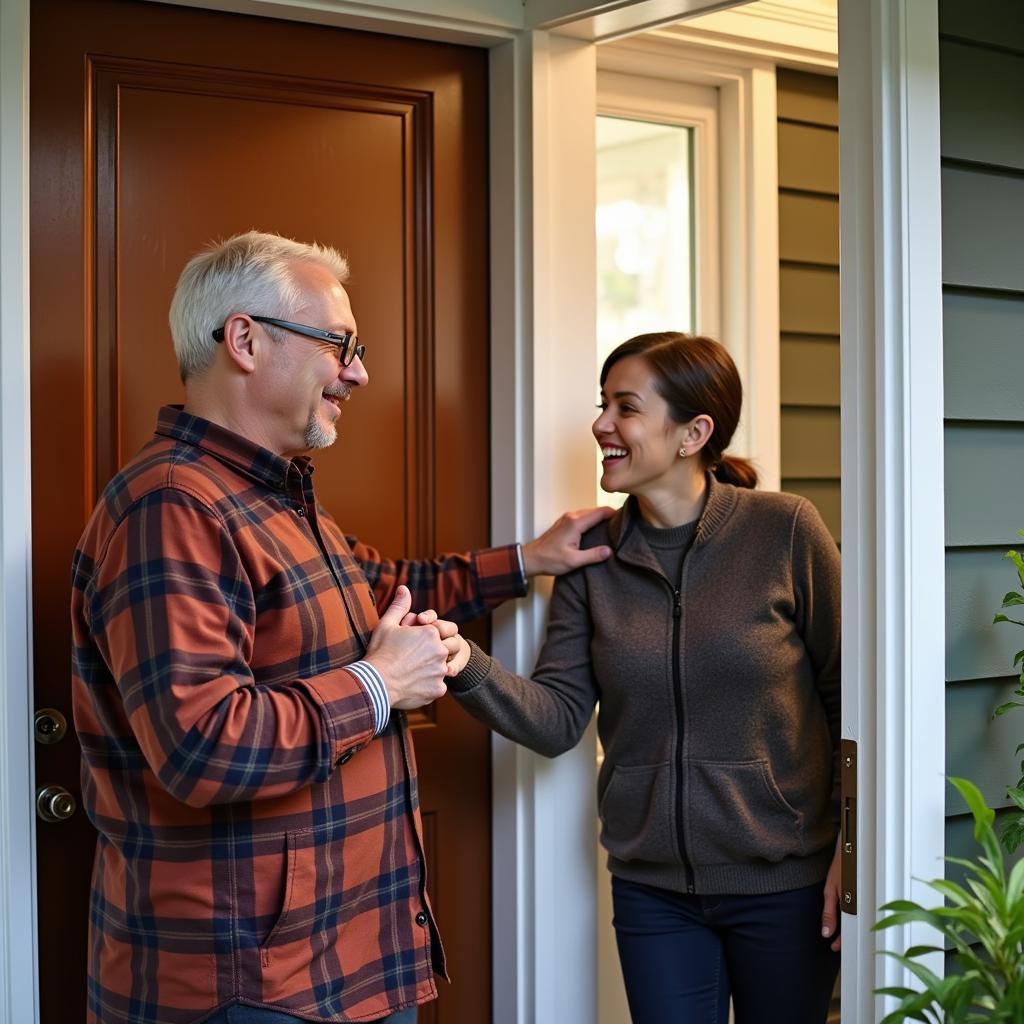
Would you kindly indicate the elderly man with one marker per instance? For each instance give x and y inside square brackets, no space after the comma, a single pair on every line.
[260,855]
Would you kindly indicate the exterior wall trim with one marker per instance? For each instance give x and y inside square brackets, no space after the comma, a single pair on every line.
[892,458]
[786,32]
[18,988]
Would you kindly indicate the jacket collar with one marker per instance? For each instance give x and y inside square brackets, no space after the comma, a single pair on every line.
[241,454]
[629,542]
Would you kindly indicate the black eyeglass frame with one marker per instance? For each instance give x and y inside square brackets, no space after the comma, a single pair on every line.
[347,344]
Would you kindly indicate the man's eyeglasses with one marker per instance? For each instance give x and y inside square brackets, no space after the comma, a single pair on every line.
[348,345]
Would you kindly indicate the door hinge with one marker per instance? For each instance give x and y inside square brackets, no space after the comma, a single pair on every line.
[848,825]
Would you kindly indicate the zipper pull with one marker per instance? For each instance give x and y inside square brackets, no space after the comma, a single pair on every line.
[677,608]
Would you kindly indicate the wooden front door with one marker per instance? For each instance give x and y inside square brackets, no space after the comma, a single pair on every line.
[153,130]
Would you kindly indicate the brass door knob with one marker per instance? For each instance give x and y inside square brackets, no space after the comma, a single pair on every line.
[55,803]
[50,726]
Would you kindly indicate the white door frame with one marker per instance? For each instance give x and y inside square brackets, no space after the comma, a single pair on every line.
[542,304]
[892,466]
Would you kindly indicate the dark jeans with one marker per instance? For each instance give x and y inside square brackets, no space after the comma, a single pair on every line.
[684,956]
[259,1015]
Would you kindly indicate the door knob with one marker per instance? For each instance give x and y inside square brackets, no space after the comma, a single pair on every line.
[50,726]
[55,803]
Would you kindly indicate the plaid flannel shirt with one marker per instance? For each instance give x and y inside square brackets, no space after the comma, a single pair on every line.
[258,843]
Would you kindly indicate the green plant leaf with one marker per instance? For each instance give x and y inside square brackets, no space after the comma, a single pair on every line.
[1011,599]
[983,814]
[924,950]
[1013,833]
[1006,618]
[1008,706]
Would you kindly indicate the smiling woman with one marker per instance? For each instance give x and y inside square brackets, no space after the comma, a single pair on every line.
[709,643]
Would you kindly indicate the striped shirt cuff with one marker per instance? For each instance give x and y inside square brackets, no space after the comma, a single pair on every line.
[522,565]
[373,683]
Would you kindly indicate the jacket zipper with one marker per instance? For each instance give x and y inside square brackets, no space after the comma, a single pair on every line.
[677,693]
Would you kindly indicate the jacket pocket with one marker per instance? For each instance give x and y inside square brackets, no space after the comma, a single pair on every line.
[636,814]
[737,814]
[297,901]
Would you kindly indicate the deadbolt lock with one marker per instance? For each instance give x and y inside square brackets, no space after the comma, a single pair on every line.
[50,726]
[55,803]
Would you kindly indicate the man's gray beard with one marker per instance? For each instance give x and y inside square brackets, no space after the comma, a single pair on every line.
[320,434]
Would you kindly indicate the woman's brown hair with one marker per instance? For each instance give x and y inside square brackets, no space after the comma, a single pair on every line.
[695,375]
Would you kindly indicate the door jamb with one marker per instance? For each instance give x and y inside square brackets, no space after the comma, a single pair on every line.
[893,463]
[18,933]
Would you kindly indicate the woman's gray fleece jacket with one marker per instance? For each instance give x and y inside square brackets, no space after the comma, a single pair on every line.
[719,695]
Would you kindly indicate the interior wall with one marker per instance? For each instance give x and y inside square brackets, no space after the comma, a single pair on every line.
[808,122]
[981,69]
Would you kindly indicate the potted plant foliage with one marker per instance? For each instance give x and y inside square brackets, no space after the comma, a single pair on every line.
[1013,828]
[982,920]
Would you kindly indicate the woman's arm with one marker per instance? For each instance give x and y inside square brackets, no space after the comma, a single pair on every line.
[550,711]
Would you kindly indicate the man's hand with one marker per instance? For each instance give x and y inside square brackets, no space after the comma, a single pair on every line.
[458,649]
[412,660]
[830,915]
[557,549]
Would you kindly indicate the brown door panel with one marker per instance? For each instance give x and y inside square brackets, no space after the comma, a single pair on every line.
[155,129]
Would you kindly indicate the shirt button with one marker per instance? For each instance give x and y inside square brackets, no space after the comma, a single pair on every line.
[421,918]
[346,757]
[300,511]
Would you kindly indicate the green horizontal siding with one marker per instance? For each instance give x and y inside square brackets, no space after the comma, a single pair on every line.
[976,580]
[804,96]
[809,289]
[984,483]
[810,443]
[998,23]
[808,158]
[809,228]
[978,746]
[982,219]
[983,335]
[982,97]
[809,299]
[981,73]
[810,369]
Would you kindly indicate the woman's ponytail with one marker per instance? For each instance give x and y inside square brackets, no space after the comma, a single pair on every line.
[731,469]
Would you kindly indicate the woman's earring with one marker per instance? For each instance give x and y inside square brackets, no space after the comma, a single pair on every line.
[682,453]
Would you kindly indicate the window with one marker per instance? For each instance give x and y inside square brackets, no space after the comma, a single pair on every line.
[645,244]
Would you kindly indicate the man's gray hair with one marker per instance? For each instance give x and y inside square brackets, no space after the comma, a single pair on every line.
[248,273]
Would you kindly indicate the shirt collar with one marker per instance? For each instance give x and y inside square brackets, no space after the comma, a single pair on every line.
[629,542]
[240,453]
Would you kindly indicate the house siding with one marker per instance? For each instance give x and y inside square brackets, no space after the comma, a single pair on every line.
[981,75]
[808,127]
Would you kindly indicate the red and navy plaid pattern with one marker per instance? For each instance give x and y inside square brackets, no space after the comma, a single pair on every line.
[256,842]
